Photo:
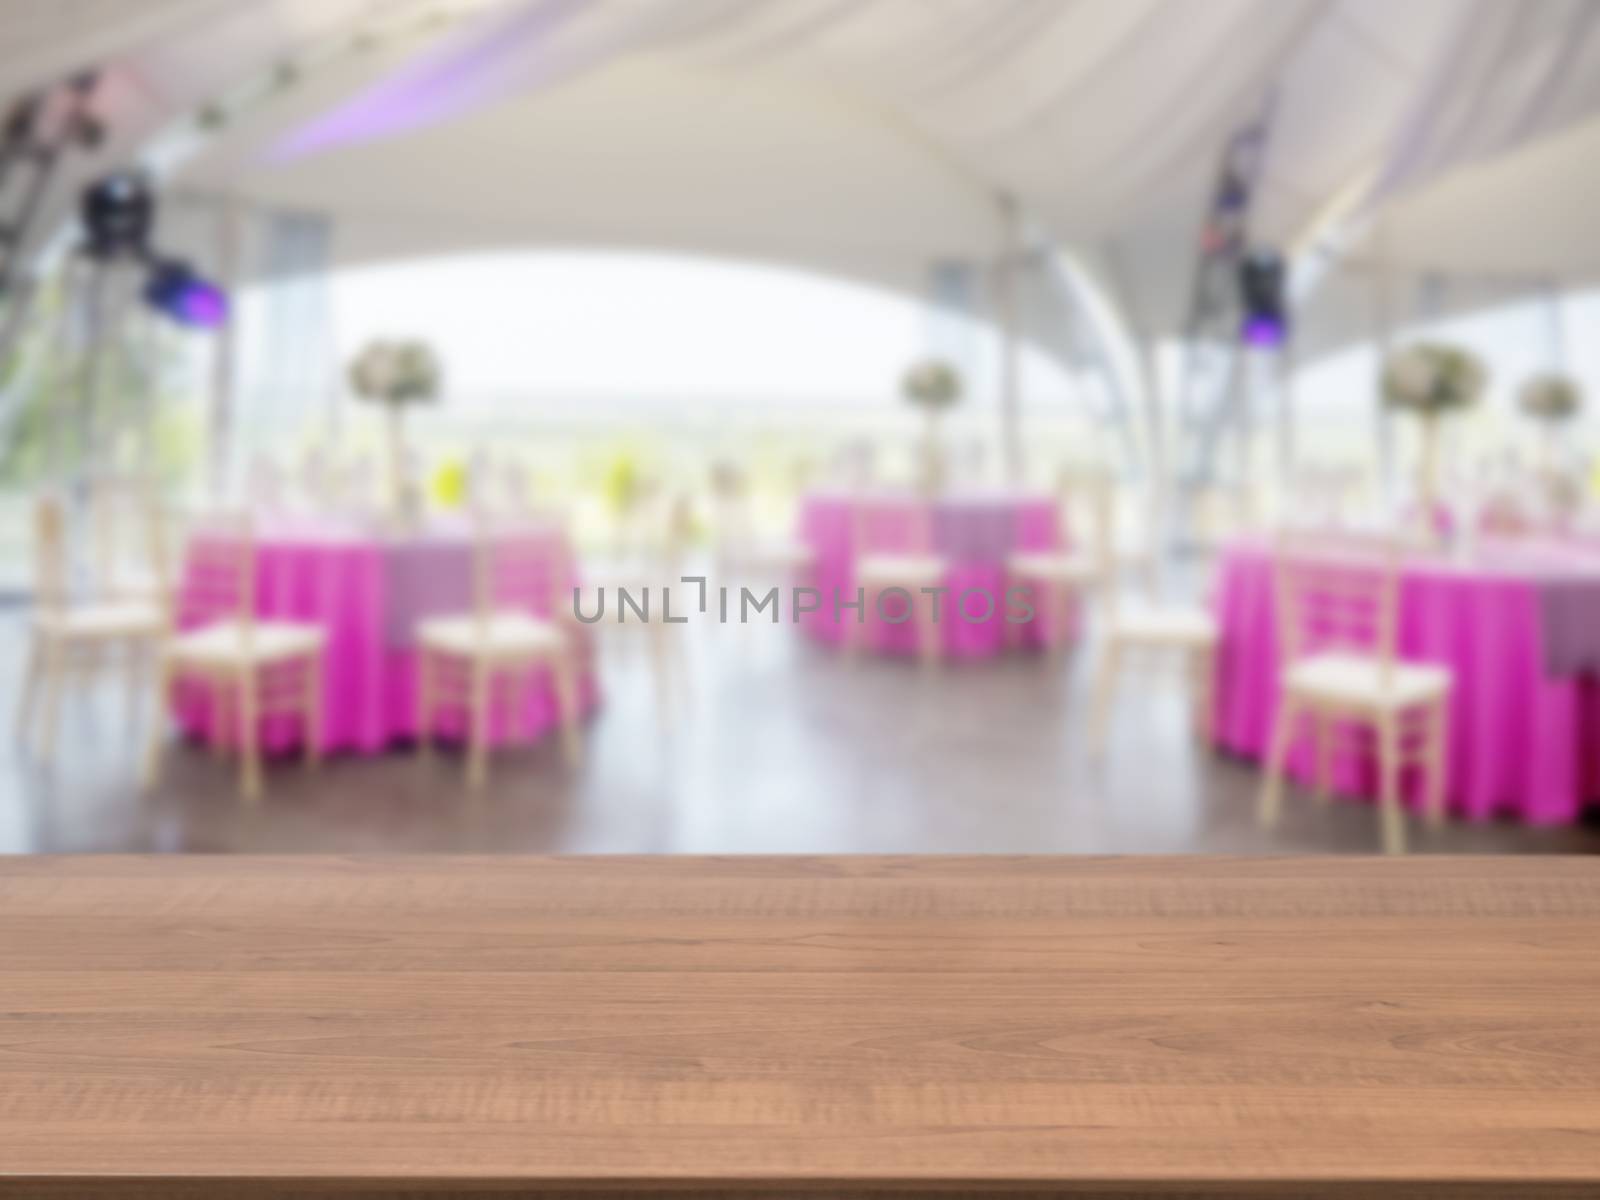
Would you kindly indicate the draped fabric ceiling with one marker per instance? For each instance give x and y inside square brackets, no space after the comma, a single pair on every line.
[866,136]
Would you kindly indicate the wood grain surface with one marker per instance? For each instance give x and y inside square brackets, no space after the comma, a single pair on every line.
[191,1026]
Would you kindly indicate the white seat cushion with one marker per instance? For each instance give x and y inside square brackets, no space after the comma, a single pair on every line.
[888,570]
[1056,568]
[774,554]
[117,620]
[224,643]
[501,635]
[1167,626]
[142,587]
[1358,680]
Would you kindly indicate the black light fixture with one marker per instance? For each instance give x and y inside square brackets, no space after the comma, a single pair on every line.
[175,289]
[119,212]
[1262,279]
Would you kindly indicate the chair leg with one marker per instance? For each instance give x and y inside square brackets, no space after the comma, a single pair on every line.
[855,630]
[1203,668]
[662,671]
[1271,802]
[929,634]
[1322,725]
[30,687]
[478,715]
[55,671]
[564,674]
[136,660]
[313,712]
[1060,602]
[223,714]
[425,704]
[249,734]
[1104,695]
[158,720]
[1393,820]
[1438,759]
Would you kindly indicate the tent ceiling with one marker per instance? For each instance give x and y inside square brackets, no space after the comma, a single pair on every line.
[838,130]
[1527,214]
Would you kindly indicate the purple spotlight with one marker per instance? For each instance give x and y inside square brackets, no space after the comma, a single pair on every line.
[174,289]
[1266,331]
[202,304]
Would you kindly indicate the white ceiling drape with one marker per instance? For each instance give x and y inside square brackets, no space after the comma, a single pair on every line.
[830,130]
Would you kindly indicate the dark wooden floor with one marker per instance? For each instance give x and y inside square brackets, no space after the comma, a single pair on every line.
[782,748]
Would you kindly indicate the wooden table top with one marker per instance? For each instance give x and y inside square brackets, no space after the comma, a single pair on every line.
[214,1026]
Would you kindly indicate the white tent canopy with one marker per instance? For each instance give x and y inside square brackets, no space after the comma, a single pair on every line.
[867,136]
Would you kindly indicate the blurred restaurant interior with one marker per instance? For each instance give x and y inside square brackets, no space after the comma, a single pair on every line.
[893,426]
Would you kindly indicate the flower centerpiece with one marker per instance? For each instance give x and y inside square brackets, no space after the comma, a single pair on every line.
[1432,380]
[398,375]
[1552,400]
[934,386]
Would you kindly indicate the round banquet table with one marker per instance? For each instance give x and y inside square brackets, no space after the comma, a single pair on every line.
[973,531]
[367,592]
[1521,635]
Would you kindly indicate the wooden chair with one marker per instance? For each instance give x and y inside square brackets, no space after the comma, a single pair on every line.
[1151,629]
[515,630]
[130,542]
[1058,580]
[252,668]
[892,547]
[73,640]
[649,553]
[266,490]
[741,551]
[1337,616]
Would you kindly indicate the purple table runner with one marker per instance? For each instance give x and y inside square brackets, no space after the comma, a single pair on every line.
[424,577]
[1570,624]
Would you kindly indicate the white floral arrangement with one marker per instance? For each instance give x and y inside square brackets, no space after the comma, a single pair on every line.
[1551,397]
[932,385]
[396,373]
[1431,378]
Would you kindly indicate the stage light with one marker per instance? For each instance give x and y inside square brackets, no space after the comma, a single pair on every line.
[1264,332]
[1265,323]
[118,214]
[175,289]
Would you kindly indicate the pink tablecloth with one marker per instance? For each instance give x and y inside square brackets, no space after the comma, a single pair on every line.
[1523,742]
[362,591]
[973,532]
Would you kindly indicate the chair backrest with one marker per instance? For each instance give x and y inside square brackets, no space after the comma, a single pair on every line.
[319,481]
[677,531]
[521,565]
[890,525]
[115,504]
[733,518]
[264,490]
[220,571]
[1089,498]
[50,572]
[1337,592]
[357,486]
[1220,512]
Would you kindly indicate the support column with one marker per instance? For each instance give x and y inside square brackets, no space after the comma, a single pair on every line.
[224,358]
[1383,339]
[1010,350]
